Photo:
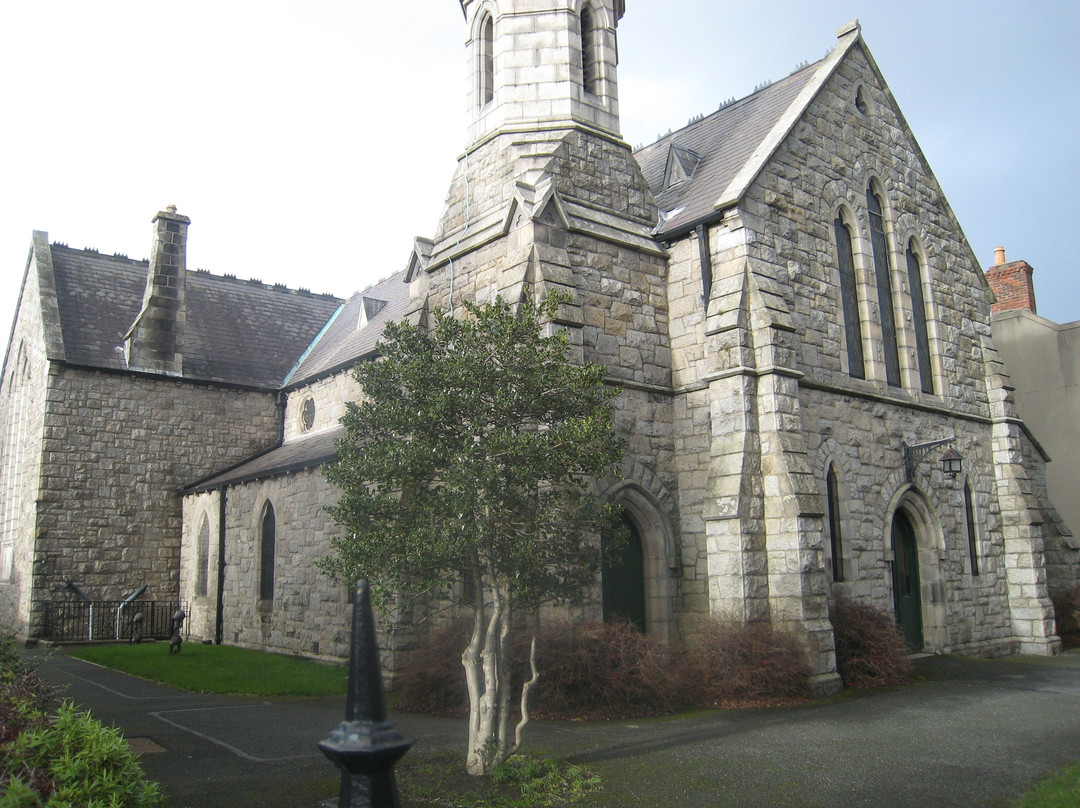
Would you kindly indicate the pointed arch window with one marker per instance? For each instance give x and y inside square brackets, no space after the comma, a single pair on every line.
[883,274]
[836,541]
[973,544]
[268,549]
[849,299]
[919,317]
[202,558]
[486,66]
[590,56]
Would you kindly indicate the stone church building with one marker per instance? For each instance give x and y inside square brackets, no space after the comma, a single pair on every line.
[779,289]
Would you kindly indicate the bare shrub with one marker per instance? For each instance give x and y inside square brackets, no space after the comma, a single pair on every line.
[1067,613]
[602,670]
[728,663]
[433,679]
[612,670]
[870,648]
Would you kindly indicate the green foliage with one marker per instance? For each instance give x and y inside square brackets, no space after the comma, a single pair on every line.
[61,760]
[520,782]
[1059,791]
[470,459]
[85,763]
[221,669]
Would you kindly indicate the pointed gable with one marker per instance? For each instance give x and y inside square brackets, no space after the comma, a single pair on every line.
[734,144]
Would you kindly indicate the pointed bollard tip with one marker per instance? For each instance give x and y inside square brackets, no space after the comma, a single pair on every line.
[365,746]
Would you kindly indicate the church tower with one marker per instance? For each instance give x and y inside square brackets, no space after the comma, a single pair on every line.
[547,197]
[547,63]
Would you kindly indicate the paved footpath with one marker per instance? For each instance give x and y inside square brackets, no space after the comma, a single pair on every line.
[971,733]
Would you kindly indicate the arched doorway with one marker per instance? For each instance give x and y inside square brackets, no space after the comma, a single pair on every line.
[907,596]
[623,577]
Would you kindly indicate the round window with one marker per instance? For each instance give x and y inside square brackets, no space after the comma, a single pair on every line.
[307,414]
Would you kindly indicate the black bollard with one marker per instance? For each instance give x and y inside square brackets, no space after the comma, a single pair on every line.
[366,746]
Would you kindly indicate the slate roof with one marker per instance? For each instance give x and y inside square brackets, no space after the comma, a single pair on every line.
[307,452]
[237,332]
[354,331]
[726,141]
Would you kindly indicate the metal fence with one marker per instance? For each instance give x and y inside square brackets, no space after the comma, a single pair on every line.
[103,620]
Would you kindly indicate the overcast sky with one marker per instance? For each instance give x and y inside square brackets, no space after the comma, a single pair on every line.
[309,142]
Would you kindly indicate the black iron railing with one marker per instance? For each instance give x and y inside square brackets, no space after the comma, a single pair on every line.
[103,620]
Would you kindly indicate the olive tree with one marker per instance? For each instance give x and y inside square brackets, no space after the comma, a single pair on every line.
[467,475]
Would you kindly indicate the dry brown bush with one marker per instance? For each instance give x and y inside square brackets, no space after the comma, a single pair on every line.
[612,670]
[870,648]
[602,670]
[1067,613]
[433,680]
[728,663]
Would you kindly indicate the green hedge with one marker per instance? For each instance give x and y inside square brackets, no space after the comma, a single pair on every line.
[63,758]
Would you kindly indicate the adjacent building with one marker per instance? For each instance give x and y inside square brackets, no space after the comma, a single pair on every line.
[1043,359]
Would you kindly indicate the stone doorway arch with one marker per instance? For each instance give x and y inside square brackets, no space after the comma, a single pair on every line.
[657,559]
[915,547]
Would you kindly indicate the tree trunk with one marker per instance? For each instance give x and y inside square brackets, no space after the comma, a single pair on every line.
[487,674]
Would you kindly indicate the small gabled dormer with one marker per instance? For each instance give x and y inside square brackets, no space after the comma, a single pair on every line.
[681,165]
[369,307]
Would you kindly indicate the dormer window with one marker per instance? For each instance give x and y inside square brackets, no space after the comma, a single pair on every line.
[369,307]
[681,165]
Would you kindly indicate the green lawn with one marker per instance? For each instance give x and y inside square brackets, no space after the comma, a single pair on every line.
[221,669]
[1062,790]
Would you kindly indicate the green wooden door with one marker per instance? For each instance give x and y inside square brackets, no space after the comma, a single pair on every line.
[623,579]
[906,581]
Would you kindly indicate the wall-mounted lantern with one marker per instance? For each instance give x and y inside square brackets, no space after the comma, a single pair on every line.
[951,461]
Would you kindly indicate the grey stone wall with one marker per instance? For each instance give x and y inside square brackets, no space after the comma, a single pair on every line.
[329,394]
[764,399]
[22,409]
[309,613]
[116,450]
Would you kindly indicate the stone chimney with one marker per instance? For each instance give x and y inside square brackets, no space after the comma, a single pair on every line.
[1011,284]
[155,341]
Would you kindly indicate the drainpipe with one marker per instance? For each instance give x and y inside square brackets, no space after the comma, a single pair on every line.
[705,256]
[127,601]
[70,585]
[219,618]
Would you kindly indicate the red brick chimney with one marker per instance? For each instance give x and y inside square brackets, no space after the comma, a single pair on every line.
[1011,284]
[155,341]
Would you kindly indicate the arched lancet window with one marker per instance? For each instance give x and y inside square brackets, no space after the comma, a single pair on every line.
[266,567]
[883,274]
[849,299]
[836,541]
[623,577]
[202,557]
[486,66]
[920,318]
[590,56]
[973,545]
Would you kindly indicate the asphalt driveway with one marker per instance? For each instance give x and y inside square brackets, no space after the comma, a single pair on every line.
[972,732]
